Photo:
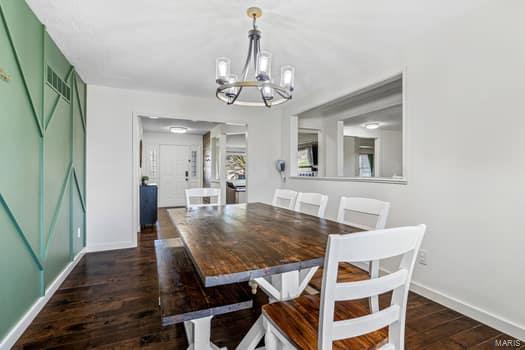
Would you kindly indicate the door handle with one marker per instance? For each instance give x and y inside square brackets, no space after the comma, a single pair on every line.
[187,175]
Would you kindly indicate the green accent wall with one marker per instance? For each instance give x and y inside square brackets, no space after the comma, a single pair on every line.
[42,163]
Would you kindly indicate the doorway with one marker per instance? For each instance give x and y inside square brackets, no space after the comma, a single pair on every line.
[178,154]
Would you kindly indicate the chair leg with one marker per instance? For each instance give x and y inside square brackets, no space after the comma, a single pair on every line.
[373,271]
[270,340]
[396,335]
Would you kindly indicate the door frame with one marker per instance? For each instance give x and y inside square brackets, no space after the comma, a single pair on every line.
[135,171]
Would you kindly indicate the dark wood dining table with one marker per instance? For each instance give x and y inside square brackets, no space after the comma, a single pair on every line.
[279,249]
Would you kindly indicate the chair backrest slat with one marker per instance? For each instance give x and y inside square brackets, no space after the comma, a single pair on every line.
[366,206]
[358,326]
[202,193]
[315,200]
[282,195]
[376,286]
[368,246]
[375,245]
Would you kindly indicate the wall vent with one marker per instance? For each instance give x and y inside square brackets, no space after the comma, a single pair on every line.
[58,84]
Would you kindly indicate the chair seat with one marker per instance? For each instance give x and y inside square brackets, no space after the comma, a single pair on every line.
[302,332]
[347,273]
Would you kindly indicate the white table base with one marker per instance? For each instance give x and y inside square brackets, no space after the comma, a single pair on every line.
[198,332]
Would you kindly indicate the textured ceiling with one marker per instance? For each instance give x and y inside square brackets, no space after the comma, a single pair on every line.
[171,45]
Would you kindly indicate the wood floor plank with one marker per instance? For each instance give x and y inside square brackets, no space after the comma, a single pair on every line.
[433,320]
[475,336]
[445,344]
[436,334]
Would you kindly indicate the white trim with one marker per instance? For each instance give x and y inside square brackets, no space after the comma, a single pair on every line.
[17,331]
[471,311]
[474,312]
[100,247]
[386,180]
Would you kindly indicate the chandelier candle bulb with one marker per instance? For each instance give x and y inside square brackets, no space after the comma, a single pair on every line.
[287,77]
[222,68]
[264,65]
[231,92]
[267,92]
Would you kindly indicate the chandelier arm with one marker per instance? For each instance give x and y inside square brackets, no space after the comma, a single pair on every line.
[248,59]
[256,51]
[283,95]
[264,99]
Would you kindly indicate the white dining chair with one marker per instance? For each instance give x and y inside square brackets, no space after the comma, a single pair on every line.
[202,193]
[284,198]
[367,214]
[311,203]
[341,299]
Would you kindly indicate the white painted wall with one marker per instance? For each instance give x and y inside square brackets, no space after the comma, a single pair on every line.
[110,153]
[391,153]
[164,138]
[464,87]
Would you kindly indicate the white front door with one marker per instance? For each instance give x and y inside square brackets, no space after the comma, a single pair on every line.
[174,170]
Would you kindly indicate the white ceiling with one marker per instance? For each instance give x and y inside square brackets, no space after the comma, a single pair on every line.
[389,119]
[171,45]
[164,124]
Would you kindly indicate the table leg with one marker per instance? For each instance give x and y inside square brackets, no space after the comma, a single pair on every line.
[198,332]
[279,287]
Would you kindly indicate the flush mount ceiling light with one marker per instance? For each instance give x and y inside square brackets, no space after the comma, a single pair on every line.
[371,126]
[178,129]
[231,86]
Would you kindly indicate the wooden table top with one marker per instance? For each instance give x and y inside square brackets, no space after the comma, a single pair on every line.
[235,243]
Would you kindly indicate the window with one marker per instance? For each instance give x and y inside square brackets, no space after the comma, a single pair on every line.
[307,153]
[193,163]
[366,168]
[235,166]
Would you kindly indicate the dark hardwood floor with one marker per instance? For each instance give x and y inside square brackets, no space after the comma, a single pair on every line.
[110,301]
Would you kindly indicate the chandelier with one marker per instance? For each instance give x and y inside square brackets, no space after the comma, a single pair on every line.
[230,86]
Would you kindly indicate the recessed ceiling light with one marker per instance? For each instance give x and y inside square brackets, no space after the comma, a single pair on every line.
[151,117]
[178,129]
[371,126]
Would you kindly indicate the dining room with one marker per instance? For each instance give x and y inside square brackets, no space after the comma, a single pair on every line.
[262,175]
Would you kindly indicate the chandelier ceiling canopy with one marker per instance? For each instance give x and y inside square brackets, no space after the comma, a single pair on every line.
[230,86]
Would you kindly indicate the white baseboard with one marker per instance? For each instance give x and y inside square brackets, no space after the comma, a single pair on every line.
[471,311]
[100,247]
[467,309]
[15,333]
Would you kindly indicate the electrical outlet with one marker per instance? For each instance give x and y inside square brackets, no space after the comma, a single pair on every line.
[422,257]
[78,232]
